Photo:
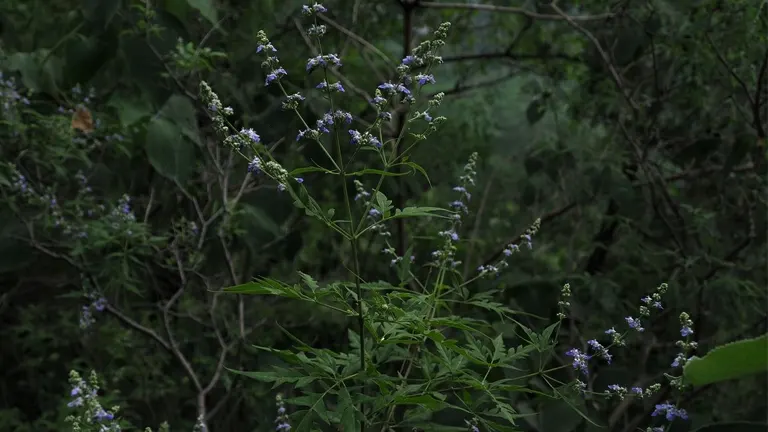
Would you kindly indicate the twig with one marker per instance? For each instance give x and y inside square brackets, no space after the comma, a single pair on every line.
[140,328]
[730,70]
[358,39]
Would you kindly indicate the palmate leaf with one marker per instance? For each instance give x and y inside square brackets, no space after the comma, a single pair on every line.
[265,286]
[377,171]
[421,212]
[278,377]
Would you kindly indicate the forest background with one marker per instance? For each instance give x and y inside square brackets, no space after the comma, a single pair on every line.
[635,130]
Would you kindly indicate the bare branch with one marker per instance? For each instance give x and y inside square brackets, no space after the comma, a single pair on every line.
[136,326]
[730,70]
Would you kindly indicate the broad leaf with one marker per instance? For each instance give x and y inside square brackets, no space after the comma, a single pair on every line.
[169,153]
[729,361]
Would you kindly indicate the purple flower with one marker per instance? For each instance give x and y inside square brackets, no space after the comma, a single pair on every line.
[302,133]
[394,88]
[459,205]
[309,10]
[254,166]
[331,87]
[409,60]
[669,411]
[425,79]
[275,75]
[356,137]
[511,249]
[251,134]
[102,415]
[634,323]
[100,304]
[323,60]
[343,116]
[686,331]
[580,360]
[378,100]
[268,47]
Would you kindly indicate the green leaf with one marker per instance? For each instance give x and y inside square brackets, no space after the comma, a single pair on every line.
[264,286]
[314,401]
[729,361]
[348,412]
[303,170]
[377,171]
[419,168]
[207,9]
[130,107]
[498,348]
[309,281]
[427,401]
[420,212]
[180,110]
[256,219]
[169,153]
[383,204]
[40,70]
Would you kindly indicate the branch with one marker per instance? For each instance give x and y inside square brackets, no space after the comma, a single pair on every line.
[514,10]
[136,326]
[730,70]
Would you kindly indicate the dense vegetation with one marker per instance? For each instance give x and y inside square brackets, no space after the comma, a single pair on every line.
[617,148]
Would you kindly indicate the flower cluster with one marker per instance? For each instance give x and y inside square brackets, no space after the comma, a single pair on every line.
[9,95]
[622,392]
[686,346]
[581,359]
[282,417]
[91,416]
[564,303]
[218,112]
[526,238]
[97,303]
[447,252]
